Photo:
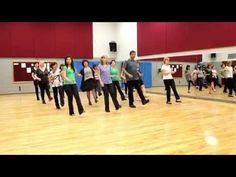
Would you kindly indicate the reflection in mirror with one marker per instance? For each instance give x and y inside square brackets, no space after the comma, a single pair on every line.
[200,78]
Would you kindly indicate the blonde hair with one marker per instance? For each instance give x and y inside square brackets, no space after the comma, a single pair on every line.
[103,56]
[165,59]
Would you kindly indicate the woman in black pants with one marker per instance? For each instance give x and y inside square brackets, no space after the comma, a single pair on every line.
[106,83]
[229,78]
[115,75]
[42,76]
[36,82]
[70,86]
[169,81]
[57,84]
[188,77]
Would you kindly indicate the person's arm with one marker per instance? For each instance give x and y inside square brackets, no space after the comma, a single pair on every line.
[99,76]
[64,77]
[79,74]
[37,78]
[128,74]
[33,76]
[164,72]
[139,73]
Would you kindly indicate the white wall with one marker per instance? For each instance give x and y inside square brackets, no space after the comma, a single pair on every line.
[103,33]
[123,33]
[126,38]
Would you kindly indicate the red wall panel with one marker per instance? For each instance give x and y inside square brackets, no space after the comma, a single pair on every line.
[44,36]
[46,39]
[184,36]
[84,40]
[22,39]
[5,38]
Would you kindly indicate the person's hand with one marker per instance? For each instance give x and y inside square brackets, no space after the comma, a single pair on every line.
[130,76]
[39,79]
[173,72]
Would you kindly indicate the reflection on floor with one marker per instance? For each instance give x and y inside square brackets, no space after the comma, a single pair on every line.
[195,93]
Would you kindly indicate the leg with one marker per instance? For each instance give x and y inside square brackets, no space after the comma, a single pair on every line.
[106,97]
[114,88]
[112,93]
[61,93]
[172,84]
[47,88]
[130,85]
[77,98]
[88,96]
[167,86]
[94,95]
[68,90]
[189,82]
[139,90]
[126,88]
[200,84]
[41,86]
[229,85]
[36,89]
[55,94]
[119,90]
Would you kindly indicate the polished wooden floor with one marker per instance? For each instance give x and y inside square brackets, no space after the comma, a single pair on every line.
[193,127]
[195,93]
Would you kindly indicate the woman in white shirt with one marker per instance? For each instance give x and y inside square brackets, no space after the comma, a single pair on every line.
[57,84]
[169,81]
[229,78]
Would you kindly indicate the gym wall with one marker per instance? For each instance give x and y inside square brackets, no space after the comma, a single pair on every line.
[167,37]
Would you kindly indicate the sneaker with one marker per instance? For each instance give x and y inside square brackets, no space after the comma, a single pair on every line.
[145,102]
[168,102]
[44,102]
[118,107]
[231,96]
[178,101]
[132,106]
[81,112]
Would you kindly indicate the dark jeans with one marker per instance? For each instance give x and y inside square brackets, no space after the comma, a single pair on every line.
[36,86]
[59,90]
[72,90]
[126,87]
[98,89]
[108,88]
[44,87]
[230,85]
[170,83]
[224,80]
[116,85]
[131,85]
[200,83]
[189,83]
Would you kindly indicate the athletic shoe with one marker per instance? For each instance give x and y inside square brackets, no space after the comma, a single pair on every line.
[132,106]
[145,102]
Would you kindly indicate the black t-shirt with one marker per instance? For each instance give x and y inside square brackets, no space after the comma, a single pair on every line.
[43,75]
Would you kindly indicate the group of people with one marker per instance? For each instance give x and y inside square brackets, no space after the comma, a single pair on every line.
[105,76]
[209,77]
